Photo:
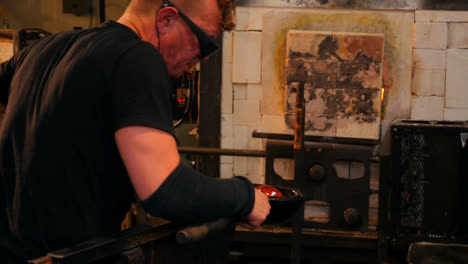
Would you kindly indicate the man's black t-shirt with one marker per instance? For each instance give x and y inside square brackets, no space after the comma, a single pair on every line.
[61,178]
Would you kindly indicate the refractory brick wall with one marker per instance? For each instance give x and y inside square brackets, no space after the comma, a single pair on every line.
[440,73]
[439,87]
[241,94]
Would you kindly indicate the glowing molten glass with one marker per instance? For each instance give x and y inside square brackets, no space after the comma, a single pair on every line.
[269,191]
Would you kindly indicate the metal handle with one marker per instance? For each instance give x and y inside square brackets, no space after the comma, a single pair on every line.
[197,233]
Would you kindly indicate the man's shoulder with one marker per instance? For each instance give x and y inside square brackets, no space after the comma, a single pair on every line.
[114,36]
[112,33]
[116,28]
[108,36]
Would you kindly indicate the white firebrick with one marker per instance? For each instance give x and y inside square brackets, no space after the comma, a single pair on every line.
[247,58]
[427,108]
[456,93]
[458,35]
[429,35]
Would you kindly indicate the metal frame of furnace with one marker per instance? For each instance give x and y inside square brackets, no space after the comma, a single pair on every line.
[348,199]
[425,198]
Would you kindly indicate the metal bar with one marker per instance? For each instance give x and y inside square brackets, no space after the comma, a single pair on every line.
[310,237]
[299,130]
[418,124]
[383,211]
[299,160]
[324,139]
[223,152]
[102,248]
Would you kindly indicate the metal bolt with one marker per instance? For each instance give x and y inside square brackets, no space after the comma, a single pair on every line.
[317,173]
[352,216]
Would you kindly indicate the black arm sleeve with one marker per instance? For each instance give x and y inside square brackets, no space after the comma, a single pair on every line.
[188,197]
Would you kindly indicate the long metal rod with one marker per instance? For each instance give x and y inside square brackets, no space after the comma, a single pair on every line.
[223,152]
[299,159]
[102,248]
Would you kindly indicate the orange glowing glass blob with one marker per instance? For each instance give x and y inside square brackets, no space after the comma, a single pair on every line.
[269,191]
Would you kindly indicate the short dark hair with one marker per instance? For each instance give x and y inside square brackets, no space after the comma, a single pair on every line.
[228,11]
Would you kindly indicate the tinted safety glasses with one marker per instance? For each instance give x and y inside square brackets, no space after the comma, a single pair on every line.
[208,45]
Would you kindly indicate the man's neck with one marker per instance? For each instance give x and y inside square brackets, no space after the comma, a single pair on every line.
[143,27]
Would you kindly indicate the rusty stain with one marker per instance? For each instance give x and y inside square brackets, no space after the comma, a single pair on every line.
[371,46]
[342,48]
[375,22]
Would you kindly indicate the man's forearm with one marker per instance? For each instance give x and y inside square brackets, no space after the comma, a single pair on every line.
[189,197]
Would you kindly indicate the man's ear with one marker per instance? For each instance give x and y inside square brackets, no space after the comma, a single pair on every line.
[166,18]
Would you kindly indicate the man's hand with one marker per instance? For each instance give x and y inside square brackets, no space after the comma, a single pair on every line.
[259,212]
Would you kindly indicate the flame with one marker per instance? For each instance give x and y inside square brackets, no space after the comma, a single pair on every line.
[383,94]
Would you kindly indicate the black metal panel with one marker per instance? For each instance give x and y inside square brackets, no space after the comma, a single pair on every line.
[341,194]
[463,190]
[426,178]
[277,149]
